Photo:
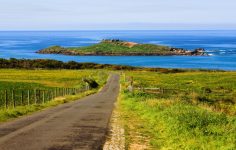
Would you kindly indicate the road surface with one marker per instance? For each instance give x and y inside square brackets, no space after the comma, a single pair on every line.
[82,124]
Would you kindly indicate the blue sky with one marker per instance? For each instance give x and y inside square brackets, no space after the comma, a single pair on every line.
[119,14]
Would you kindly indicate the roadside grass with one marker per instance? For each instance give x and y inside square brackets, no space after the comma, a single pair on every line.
[210,90]
[180,120]
[9,114]
[172,124]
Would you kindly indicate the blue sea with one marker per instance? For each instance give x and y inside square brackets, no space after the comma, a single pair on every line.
[220,44]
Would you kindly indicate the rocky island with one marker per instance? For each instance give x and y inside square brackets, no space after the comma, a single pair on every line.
[122,48]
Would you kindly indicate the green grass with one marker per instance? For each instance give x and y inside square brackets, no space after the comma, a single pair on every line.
[214,89]
[9,114]
[44,81]
[119,48]
[109,48]
[48,78]
[180,120]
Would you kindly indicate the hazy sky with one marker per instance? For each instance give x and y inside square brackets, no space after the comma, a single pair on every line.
[117,14]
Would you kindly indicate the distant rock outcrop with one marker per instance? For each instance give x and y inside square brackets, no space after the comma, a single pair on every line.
[196,52]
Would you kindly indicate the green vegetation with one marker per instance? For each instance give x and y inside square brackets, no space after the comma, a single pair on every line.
[121,48]
[192,110]
[113,47]
[48,78]
[11,113]
[22,81]
[186,110]
[54,64]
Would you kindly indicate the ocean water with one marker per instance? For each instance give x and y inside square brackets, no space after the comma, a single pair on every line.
[221,46]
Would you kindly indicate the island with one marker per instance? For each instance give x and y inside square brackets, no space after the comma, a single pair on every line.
[122,48]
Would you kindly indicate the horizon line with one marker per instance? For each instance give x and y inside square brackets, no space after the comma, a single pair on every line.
[67,30]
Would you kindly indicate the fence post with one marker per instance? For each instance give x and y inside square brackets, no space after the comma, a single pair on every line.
[35,96]
[39,95]
[43,96]
[28,97]
[162,90]
[49,96]
[22,97]
[13,98]
[6,99]
[55,93]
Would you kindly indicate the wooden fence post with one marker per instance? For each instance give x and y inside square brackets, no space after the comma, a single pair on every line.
[13,98]
[43,96]
[39,95]
[162,90]
[55,93]
[22,97]
[6,99]
[28,97]
[52,95]
[35,96]
[49,96]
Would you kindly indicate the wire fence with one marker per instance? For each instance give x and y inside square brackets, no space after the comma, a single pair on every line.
[207,95]
[10,98]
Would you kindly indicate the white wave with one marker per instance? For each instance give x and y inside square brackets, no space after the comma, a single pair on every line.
[155,42]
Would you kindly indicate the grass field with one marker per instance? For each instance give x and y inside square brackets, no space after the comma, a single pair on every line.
[44,82]
[194,110]
[11,78]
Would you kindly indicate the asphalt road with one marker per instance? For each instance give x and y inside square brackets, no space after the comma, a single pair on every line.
[82,124]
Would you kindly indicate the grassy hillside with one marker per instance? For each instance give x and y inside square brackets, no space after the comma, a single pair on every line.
[120,47]
[193,110]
